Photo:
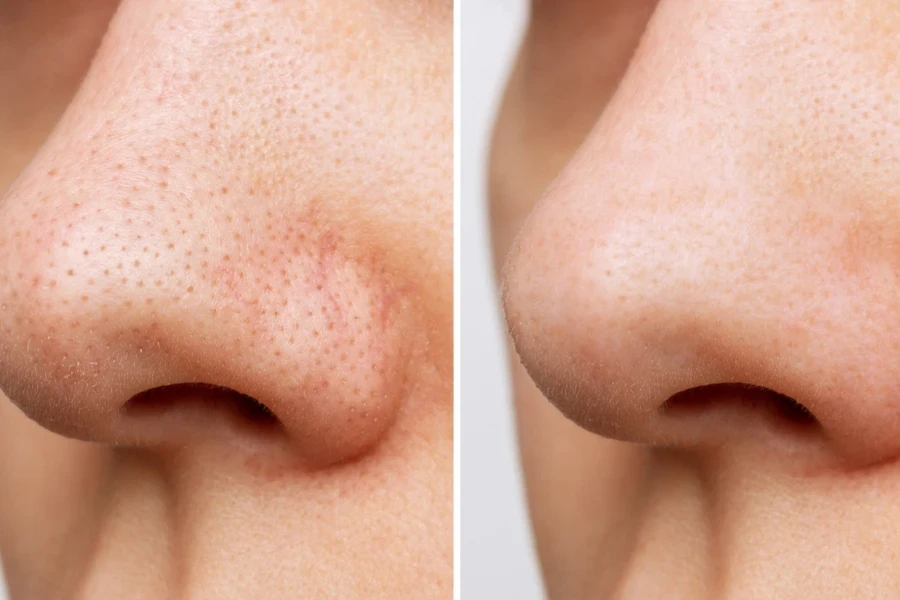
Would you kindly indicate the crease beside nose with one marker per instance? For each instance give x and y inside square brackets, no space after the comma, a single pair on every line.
[110,290]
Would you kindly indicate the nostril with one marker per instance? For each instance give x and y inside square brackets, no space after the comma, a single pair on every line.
[781,409]
[204,402]
[253,409]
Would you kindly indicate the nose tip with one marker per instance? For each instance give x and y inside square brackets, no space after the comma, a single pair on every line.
[669,327]
[106,300]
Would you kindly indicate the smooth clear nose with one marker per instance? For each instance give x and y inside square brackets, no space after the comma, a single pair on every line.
[708,271]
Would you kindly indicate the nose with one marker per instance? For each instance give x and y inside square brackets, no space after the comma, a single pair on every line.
[132,314]
[708,272]
[156,293]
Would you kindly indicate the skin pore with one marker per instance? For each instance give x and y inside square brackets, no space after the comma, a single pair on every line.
[695,227]
[225,282]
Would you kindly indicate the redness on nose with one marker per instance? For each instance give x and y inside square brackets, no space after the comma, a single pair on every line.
[297,315]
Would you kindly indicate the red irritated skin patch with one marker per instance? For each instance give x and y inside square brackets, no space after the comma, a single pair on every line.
[257,232]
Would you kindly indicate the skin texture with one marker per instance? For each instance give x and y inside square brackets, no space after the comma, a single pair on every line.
[717,186]
[232,201]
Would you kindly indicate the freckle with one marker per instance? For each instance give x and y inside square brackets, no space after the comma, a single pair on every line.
[51,172]
[142,159]
[190,289]
[84,298]
[106,271]
[65,244]
[70,272]
[171,245]
[137,263]
[129,303]
[149,301]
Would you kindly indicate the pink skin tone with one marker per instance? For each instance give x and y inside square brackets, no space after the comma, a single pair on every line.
[715,204]
[257,197]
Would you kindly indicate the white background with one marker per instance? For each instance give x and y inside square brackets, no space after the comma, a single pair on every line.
[497,560]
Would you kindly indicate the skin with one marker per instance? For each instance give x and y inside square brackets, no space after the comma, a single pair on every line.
[701,196]
[218,202]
